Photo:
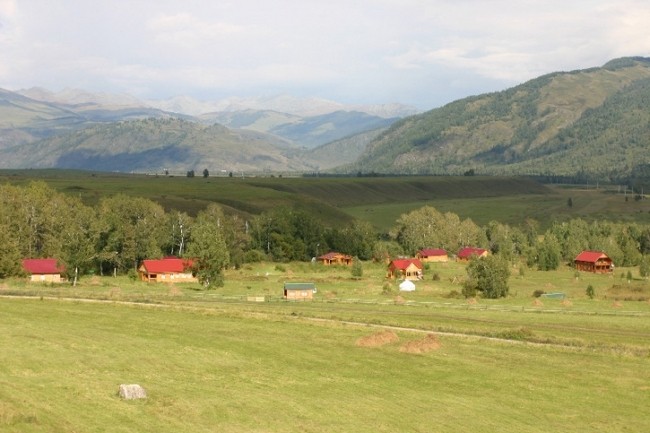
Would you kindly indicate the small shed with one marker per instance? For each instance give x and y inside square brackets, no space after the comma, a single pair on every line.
[432,255]
[465,254]
[407,269]
[299,291]
[594,261]
[167,270]
[44,270]
[334,258]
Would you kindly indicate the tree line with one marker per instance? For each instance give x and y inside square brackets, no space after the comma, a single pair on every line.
[114,236]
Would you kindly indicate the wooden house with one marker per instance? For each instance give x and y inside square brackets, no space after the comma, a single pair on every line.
[432,255]
[465,254]
[299,291]
[334,258]
[44,270]
[167,270]
[594,261]
[407,269]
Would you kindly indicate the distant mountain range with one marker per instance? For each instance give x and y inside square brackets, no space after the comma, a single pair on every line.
[78,129]
[591,123]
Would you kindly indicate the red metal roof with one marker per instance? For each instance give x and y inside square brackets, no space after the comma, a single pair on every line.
[431,252]
[405,263]
[166,265]
[468,252]
[42,266]
[591,256]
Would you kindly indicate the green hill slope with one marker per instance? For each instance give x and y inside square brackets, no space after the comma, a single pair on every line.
[595,122]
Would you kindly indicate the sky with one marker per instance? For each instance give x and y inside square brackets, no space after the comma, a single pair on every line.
[423,53]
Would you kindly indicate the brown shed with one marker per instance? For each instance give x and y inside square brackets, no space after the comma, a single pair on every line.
[299,291]
[334,258]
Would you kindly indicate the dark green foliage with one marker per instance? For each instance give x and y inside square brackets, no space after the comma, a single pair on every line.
[357,268]
[548,254]
[644,267]
[538,292]
[488,275]
[590,292]
[208,248]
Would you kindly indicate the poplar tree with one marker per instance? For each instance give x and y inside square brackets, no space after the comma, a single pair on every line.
[207,247]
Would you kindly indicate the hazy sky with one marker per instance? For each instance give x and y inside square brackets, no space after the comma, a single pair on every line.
[418,52]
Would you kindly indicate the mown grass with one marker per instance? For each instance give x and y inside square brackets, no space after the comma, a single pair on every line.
[212,369]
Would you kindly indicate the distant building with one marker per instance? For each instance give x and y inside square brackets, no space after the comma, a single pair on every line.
[299,291]
[334,258]
[44,270]
[432,255]
[407,269]
[167,270]
[594,261]
[465,254]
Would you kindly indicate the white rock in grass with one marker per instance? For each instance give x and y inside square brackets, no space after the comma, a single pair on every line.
[132,392]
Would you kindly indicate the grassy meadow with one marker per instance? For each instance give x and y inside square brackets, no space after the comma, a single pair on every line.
[358,358]
[380,201]
[213,361]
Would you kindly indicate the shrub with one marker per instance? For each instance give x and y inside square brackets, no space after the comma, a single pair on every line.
[357,268]
[387,288]
[537,293]
[590,291]
[280,268]
[436,276]
[254,256]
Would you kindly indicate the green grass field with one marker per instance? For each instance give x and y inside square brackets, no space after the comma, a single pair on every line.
[211,361]
[230,369]
[378,200]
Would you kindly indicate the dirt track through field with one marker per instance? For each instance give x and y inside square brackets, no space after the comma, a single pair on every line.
[464,335]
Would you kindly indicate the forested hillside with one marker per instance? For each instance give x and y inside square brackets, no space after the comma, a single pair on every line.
[592,123]
[155,145]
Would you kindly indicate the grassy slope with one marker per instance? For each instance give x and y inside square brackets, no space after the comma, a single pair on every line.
[378,200]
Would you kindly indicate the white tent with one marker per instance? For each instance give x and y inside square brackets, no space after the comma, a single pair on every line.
[407,286]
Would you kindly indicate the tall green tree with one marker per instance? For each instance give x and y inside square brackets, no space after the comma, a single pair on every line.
[428,228]
[488,275]
[131,229]
[549,254]
[207,247]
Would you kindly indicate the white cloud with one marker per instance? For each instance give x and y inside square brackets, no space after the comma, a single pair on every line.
[413,51]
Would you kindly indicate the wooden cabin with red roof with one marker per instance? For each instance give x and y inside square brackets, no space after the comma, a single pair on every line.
[594,261]
[44,270]
[334,258]
[432,255]
[407,269]
[167,270]
[465,254]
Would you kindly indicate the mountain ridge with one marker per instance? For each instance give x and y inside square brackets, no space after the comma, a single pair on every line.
[537,127]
